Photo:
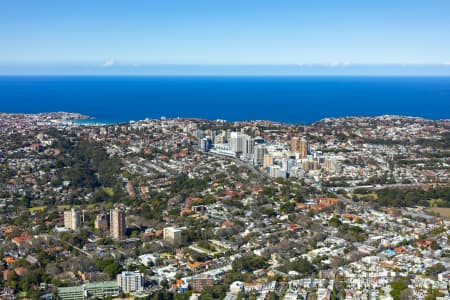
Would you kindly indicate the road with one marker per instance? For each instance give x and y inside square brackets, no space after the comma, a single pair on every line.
[73,246]
[240,163]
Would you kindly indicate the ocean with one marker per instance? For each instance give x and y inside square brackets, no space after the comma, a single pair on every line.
[283,99]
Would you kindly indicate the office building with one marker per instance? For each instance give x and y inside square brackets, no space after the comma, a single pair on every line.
[117,223]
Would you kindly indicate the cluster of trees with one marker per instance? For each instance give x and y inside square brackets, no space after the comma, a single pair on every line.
[413,197]
[154,209]
[6,173]
[337,181]
[398,287]
[87,164]
[406,197]
[26,282]
[198,231]
[301,265]
[348,232]
[30,280]
[109,266]
[442,143]
[383,179]
[185,186]
[379,141]
[249,263]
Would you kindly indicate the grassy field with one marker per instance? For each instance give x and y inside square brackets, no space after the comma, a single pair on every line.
[436,202]
[108,191]
[64,207]
[443,211]
[367,197]
[37,208]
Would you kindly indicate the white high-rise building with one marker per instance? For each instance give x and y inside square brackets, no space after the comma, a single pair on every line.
[249,145]
[72,219]
[241,143]
[235,142]
[130,281]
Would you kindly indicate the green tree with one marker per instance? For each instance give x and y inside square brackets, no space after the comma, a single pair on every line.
[398,286]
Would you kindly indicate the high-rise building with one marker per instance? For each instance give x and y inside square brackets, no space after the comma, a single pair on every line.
[101,222]
[276,171]
[268,160]
[117,224]
[204,144]
[248,145]
[241,143]
[260,151]
[258,140]
[300,146]
[172,235]
[235,142]
[310,165]
[72,219]
[220,138]
[130,281]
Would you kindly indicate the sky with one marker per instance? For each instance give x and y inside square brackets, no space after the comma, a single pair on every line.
[107,33]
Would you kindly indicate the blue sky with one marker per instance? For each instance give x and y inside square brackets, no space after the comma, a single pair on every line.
[223,32]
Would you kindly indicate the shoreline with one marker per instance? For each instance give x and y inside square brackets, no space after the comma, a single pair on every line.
[82,119]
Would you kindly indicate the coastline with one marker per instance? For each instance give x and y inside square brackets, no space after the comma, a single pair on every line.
[80,119]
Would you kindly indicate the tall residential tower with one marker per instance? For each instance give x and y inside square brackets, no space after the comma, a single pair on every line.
[117,223]
[72,219]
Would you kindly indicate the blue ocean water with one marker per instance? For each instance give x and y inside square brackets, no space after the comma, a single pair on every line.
[285,99]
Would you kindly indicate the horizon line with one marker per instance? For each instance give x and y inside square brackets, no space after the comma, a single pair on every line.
[118,69]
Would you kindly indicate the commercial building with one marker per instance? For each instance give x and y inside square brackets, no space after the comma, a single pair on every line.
[89,290]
